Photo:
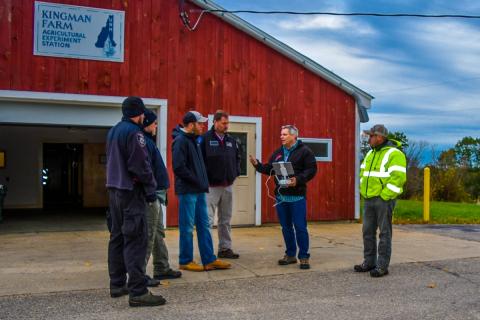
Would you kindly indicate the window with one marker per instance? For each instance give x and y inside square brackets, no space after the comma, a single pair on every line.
[241,138]
[322,148]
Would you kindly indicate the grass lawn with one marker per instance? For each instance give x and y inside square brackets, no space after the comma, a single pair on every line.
[410,211]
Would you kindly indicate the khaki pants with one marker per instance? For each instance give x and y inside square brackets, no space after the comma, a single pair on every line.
[220,200]
[156,233]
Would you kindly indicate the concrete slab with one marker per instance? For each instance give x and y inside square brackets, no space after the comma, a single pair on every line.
[64,261]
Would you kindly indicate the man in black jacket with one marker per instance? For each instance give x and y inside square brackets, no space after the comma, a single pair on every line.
[291,201]
[191,184]
[222,159]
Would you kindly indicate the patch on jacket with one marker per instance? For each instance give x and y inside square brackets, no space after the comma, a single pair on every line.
[229,144]
[214,143]
[141,139]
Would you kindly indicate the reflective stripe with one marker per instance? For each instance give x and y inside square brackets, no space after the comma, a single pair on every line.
[394,188]
[397,168]
[385,158]
[365,159]
[376,174]
[361,180]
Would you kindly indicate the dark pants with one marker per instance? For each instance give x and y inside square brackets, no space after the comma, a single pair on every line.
[294,215]
[127,248]
[377,214]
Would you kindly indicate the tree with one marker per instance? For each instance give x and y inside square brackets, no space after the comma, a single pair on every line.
[468,152]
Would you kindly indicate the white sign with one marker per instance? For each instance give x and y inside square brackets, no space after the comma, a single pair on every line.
[62,30]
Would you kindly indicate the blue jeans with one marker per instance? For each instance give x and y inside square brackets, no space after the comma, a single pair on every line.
[294,215]
[193,211]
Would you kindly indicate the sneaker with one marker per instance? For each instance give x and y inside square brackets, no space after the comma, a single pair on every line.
[192,266]
[378,272]
[218,264]
[304,264]
[287,260]
[116,292]
[169,274]
[363,267]
[146,300]
[152,282]
[228,254]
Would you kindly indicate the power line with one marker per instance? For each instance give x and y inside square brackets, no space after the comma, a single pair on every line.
[368,14]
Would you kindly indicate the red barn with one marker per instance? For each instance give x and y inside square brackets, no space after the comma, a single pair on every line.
[65,67]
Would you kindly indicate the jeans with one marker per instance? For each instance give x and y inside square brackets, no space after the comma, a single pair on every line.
[377,214]
[193,212]
[293,219]
[127,247]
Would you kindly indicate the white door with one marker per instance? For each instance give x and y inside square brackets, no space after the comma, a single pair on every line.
[244,186]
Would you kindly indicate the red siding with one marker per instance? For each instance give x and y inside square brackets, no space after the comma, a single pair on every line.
[215,66]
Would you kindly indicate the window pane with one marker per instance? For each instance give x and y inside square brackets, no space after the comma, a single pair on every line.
[241,138]
[320,149]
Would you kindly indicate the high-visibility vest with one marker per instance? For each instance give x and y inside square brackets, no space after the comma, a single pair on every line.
[383,173]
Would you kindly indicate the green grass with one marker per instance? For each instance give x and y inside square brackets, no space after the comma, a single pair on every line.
[410,211]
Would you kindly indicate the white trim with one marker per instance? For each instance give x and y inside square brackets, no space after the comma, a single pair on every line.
[72,99]
[258,154]
[162,113]
[386,158]
[356,191]
[329,143]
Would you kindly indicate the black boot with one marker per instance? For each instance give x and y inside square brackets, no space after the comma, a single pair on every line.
[146,300]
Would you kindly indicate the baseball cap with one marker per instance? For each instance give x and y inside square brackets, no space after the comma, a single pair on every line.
[378,129]
[193,116]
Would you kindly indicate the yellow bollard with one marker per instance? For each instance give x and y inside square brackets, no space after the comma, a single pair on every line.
[426,195]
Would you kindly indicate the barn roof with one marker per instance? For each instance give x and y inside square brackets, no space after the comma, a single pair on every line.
[362,98]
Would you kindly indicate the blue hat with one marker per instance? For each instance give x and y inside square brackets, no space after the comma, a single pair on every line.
[150,118]
[133,107]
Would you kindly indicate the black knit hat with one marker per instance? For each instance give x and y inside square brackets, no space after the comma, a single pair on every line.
[132,107]
[150,118]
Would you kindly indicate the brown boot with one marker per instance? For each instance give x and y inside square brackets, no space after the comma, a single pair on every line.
[217,264]
[192,266]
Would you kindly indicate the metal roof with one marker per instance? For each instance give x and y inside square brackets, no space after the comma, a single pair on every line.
[362,98]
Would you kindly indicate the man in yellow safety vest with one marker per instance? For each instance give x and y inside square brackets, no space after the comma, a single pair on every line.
[382,176]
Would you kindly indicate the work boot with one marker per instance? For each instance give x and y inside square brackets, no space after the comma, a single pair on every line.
[228,254]
[152,282]
[169,274]
[304,264]
[146,300]
[378,272]
[218,264]
[363,267]
[192,266]
[117,292]
[287,260]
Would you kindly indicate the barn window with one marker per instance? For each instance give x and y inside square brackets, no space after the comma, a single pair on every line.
[322,148]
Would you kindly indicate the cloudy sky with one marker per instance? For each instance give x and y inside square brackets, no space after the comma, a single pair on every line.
[423,73]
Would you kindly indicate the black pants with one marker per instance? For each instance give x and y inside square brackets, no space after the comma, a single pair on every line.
[128,240]
[377,215]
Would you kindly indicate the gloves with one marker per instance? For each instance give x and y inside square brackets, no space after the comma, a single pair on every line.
[150,198]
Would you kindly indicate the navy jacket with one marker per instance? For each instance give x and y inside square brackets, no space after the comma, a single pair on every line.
[187,163]
[222,158]
[128,162]
[158,166]
[304,166]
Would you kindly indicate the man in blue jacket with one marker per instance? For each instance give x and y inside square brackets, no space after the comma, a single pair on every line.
[222,159]
[191,184]
[156,231]
[130,183]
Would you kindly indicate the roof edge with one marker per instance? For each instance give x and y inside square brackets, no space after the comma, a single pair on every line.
[361,97]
